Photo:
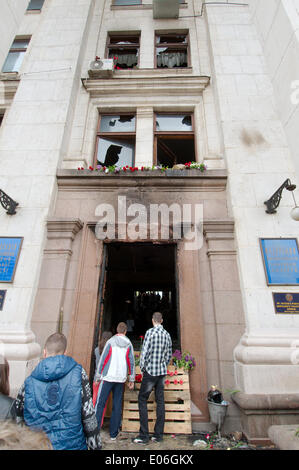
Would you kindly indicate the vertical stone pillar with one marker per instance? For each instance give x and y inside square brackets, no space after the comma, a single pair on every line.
[49,307]
[144,137]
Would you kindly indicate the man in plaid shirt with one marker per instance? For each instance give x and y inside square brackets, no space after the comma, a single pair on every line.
[155,356]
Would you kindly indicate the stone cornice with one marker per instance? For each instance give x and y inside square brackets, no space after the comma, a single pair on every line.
[147,83]
[8,86]
[170,180]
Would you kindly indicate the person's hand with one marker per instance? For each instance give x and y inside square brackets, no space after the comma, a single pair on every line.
[131,385]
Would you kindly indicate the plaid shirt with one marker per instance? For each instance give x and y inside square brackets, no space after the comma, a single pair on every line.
[156,351]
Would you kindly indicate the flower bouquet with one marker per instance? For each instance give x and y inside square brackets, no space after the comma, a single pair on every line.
[183,360]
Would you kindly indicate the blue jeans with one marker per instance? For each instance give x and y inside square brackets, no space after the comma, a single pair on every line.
[150,382]
[117,389]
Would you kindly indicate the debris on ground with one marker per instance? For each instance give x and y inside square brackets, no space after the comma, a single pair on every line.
[198,441]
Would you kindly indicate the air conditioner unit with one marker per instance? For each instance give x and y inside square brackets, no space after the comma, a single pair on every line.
[166,8]
[101,68]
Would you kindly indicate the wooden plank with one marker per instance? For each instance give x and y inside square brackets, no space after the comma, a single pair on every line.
[170,415]
[169,427]
[168,395]
[152,406]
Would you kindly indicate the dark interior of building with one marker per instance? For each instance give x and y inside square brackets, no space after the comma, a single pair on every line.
[140,279]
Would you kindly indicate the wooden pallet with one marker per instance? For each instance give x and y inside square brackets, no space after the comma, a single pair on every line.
[177,406]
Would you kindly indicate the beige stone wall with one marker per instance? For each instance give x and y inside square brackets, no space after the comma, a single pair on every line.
[209,291]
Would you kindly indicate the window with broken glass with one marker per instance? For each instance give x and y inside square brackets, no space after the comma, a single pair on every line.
[124,49]
[174,139]
[172,50]
[115,143]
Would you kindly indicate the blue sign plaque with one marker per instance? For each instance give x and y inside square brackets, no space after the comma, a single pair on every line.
[2,297]
[286,303]
[281,260]
[9,254]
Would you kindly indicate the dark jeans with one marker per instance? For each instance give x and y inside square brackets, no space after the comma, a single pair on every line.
[117,394]
[150,382]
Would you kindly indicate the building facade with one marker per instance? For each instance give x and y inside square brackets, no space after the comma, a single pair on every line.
[88,84]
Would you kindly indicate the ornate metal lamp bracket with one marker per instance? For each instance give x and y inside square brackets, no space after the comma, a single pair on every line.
[8,203]
[274,200]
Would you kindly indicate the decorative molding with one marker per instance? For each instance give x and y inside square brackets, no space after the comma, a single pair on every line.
[8,86]
[148,83]
[170,180]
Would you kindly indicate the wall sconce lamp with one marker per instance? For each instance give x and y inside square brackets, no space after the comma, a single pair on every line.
[274,200]
[8,203]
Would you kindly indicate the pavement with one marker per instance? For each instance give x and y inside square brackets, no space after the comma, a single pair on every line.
[173,442]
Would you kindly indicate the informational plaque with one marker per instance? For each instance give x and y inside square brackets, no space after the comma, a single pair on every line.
[281,260]
[2,297]
[9,254]
[286,303]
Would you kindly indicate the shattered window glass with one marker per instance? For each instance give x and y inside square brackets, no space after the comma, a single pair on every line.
[173,123]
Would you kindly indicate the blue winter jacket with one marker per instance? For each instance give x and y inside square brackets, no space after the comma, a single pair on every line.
[53,402]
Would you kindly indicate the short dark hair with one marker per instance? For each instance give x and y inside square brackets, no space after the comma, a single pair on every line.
[157,317]
[56,344]
[122,327]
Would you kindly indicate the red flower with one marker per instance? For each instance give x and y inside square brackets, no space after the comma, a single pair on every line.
[138,378]
[175,382]
[124,168]
[91,168]
[171,374]
[175,372]
[181,382]
[168,372]
[141,337]
[167,382]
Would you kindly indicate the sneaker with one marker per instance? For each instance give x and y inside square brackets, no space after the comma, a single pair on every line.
[139,440]
[112,438]
[156,439]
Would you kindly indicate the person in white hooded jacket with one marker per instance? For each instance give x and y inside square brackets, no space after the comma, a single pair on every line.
[115,365]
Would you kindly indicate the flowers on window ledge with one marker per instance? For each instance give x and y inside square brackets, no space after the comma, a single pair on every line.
[131,169]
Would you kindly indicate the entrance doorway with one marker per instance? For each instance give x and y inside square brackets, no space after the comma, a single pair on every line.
[137,280]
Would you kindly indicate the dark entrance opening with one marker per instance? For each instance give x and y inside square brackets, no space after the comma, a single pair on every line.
[140,279]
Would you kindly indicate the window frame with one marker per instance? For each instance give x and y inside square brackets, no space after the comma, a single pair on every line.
[13,50]
[174,134]
[183,46]
[123,35]
[122,135]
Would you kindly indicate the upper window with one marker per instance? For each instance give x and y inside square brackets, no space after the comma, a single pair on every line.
[127,2]
[124,49]
[116,140]
[174,139]
[35,4]
[15,56]
[172,50]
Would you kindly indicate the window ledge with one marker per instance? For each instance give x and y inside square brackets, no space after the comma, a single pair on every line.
[152,82]
[97,178]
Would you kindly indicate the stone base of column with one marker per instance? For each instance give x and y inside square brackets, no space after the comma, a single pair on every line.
[22,353]
[260,411]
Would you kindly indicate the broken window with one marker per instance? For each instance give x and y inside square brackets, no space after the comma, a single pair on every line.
[174,139]
[124,49]
[116,140]
[171,50]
